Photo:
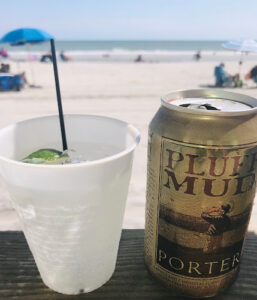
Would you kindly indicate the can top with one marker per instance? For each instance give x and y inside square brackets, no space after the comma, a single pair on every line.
[210,102]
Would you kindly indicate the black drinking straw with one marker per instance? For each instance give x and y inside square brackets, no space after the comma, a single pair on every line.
[59,98]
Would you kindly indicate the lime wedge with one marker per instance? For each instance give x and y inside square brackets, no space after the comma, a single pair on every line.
[46,156]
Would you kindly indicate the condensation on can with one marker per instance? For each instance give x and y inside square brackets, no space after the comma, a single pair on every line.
[200,189]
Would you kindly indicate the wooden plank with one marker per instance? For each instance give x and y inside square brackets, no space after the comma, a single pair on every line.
[19,278]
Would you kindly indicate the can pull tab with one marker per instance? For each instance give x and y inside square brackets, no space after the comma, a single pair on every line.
[199,106]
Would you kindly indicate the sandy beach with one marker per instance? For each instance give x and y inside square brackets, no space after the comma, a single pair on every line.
[127,91]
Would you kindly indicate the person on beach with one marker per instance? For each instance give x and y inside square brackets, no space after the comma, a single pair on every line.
[3,53]
[252,74]
[139,58]
[224,79]
[20,79]
[46,57]
[198,55]
[64,57]
[4,68]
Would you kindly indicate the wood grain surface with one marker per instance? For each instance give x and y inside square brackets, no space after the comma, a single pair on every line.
[19,277]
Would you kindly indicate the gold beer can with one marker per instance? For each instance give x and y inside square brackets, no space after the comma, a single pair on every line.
[202,161]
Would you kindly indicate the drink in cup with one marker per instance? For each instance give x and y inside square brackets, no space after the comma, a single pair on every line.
[71,214]
[202,161]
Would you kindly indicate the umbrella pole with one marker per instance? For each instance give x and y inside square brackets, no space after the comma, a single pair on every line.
[18,66]
[240,64]
[33,82]
[58,94]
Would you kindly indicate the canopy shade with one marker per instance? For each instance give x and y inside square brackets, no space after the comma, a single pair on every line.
[22,36]
[243,45]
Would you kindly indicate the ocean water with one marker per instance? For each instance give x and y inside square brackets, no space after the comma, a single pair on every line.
[124,45]
[127,51]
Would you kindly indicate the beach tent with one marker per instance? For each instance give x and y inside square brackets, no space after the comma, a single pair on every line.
[24,36]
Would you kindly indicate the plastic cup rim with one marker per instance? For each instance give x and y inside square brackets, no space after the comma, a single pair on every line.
[134,131]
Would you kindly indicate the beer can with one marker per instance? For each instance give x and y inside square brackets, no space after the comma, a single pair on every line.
[202,161]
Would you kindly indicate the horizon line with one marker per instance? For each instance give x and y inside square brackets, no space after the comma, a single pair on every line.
[139,40]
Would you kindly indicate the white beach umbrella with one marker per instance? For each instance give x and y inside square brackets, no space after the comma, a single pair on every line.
[243,45]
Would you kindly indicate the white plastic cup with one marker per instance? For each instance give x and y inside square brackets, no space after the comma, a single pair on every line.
[71,214]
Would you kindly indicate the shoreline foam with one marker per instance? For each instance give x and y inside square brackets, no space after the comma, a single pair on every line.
[125,55]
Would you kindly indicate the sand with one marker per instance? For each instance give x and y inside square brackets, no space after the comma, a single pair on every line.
[127,91]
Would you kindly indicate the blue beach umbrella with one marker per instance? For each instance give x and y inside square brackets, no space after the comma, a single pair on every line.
[24,36]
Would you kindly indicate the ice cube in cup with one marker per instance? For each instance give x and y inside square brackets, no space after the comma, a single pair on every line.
[71,214]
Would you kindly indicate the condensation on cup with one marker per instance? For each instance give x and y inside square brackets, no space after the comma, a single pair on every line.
[71,214]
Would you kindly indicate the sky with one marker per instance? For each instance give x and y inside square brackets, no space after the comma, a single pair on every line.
[134,19]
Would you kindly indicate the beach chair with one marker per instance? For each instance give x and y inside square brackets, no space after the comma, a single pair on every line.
[220,76]
[225,80]
[10,82]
